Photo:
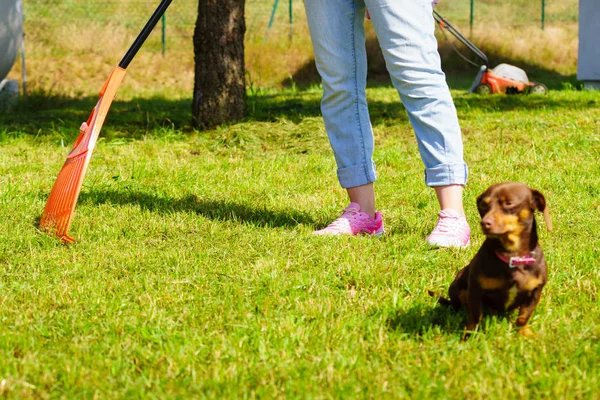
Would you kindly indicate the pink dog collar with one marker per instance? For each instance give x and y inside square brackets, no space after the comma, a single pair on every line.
[514,262]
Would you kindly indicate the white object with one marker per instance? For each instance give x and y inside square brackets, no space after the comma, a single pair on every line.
[510,72]
[588,63]
[9,93]
[11,34]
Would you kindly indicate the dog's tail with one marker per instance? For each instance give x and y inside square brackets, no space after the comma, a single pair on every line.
[440,299]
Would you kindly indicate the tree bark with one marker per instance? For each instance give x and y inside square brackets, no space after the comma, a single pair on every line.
[219,83]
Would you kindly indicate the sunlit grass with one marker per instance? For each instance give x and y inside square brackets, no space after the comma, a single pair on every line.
[195,273]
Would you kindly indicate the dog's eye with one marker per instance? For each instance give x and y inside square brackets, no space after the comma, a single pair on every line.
[509,207]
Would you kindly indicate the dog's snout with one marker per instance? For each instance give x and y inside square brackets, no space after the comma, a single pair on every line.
[487,222]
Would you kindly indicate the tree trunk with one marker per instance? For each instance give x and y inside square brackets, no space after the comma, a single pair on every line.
[219,88]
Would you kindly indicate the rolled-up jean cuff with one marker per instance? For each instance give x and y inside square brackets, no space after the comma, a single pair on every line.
[446,174]
[357,175]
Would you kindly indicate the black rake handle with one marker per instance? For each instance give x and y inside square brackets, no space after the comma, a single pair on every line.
[139,41]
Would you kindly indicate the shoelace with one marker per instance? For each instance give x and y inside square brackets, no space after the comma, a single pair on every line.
[346,218]
[347,215]
[447,224]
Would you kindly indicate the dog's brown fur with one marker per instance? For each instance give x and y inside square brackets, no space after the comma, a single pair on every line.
[507,220]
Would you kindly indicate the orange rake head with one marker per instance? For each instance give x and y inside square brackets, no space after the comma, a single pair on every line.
[60,206]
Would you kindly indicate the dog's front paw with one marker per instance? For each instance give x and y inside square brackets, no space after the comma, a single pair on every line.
[525,331]
[466,335]
[469,329]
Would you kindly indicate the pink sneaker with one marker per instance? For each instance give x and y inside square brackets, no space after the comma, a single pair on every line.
[451,230]
[352,222]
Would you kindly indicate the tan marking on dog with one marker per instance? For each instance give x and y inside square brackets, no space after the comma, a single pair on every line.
[487,200]
[525,331]
[463,296]
[524,214]
[522,319]
[510,222]
[488,283]
[511,242]
[547,219]
[532,283]
[511,296]
[512,232]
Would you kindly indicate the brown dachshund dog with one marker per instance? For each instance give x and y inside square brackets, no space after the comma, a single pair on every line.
[509,270]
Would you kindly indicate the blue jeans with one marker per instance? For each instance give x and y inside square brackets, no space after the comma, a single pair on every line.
[405,29]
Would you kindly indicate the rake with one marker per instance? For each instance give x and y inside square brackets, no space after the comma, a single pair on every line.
[60,206]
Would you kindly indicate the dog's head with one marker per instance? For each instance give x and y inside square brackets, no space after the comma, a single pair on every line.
[507,214]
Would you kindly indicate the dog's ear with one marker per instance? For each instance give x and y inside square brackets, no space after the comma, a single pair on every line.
[481,206]
[483,201]
[539,203]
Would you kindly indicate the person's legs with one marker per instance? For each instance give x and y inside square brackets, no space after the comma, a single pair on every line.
[338,37]
[405,29]
[450,197]
[363,195]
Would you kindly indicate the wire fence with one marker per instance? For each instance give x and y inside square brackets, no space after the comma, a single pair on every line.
[512,13]
[43,22]
[266,18]
[61,34]
[263,18]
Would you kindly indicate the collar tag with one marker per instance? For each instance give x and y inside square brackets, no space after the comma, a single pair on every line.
[514,262]
[519,261]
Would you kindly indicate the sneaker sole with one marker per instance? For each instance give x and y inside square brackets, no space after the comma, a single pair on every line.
[464,246]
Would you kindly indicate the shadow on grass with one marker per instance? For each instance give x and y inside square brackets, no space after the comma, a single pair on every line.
[43,114]
[459,73]
[221,210]
[420,319]
[56,116]
[60,117]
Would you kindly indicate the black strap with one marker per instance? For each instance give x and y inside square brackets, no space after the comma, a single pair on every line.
[444,24]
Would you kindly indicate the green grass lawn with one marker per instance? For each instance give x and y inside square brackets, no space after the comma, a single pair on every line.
[195,273]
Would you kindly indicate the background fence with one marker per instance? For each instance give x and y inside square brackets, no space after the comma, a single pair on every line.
[264,17]
[71,33]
